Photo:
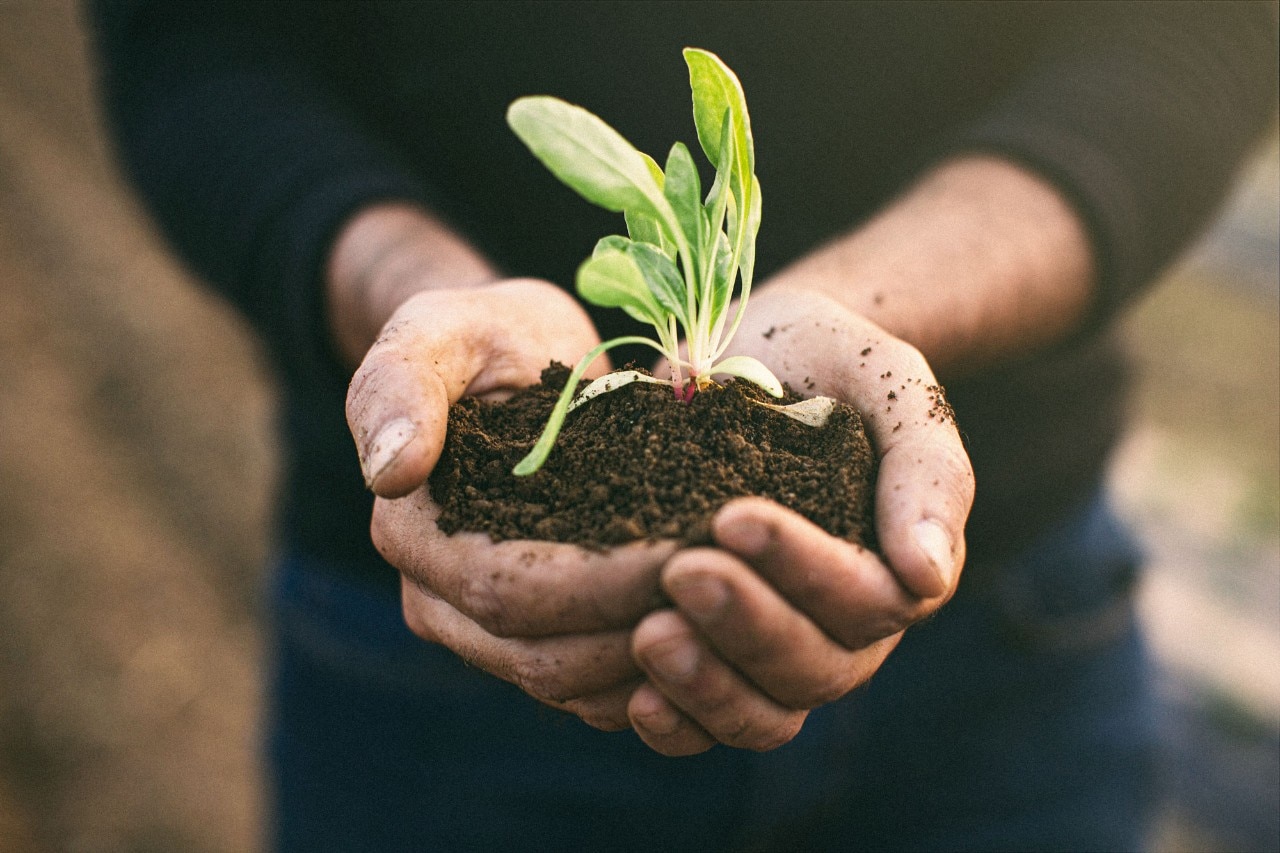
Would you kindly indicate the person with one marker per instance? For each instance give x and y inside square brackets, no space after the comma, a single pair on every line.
[972,192]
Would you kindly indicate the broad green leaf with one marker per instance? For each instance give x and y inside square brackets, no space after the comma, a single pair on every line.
[586,154]
[718,97]
[612,279]
[662,277]
[683,189]
[750,369]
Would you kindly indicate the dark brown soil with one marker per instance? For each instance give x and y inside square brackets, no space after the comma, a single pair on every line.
[636,463]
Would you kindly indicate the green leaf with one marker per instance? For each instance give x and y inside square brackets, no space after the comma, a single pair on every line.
[662,277]
[612,279]
[586,154]
[750,369]
[747,261]
[717,98]
[722,279]
[683,189]
[644,228]
[612,243]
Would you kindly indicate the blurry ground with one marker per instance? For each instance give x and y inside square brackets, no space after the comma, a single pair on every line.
[135,476]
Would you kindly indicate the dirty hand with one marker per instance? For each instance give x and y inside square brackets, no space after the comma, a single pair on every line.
[782,617]
[546,617]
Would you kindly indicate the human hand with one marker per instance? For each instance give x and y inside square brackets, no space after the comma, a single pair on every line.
[551,618]
[782,617]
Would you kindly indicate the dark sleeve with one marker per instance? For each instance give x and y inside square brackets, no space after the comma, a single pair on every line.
[246,162]
[1140,113]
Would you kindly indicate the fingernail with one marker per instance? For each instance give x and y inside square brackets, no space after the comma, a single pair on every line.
[935,544]
[701,598]
[677,661]
[386,447]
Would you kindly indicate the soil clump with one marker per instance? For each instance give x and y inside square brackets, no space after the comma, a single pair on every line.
[638,464]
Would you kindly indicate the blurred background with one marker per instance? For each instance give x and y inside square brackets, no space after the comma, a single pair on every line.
[136,474]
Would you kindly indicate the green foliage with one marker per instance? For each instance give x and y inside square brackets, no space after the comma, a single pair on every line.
[683,254]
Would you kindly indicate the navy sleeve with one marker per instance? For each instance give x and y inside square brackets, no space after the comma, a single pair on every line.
[1140,113]
[246,163]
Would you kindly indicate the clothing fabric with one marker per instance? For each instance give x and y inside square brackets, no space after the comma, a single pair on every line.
[1020,718]
[253,130]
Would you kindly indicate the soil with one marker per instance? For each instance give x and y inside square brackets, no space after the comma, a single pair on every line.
[637,464]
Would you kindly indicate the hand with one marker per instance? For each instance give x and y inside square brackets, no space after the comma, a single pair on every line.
[551,618]
[782,617]
[555,620]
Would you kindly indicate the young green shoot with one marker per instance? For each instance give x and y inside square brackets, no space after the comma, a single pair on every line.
[684,253]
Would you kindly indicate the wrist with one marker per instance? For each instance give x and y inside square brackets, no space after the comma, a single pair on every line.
[383,255]
[980,260]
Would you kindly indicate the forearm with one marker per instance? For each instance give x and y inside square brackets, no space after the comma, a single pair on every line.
[382,256]
[978,262]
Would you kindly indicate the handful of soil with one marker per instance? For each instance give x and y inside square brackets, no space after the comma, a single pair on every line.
[636,463]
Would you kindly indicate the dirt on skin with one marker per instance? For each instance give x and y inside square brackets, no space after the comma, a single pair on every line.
[636,463]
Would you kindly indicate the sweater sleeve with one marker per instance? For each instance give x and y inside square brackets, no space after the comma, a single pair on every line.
[246,163]
[1139,113]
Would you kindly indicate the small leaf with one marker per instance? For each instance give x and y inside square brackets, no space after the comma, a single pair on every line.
[750,369]
[722,279]
[717,98]
[683,189]
[611,279]
[814,412]
[662,277]
[586,154]
[612,243]
[612,382]
[644,228]
[747,262]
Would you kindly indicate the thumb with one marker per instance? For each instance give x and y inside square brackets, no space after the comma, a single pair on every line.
[398,401]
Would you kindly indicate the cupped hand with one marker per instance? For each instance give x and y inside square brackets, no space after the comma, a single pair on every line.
[782,617]
[442,344]
[553,619]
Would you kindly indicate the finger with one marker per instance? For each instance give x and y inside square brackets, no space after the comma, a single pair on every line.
[607,711]
[520,588]
[555,670]
[751,627]
[844,588]
[925,483]
[708,691]
[398,400]
[663,726]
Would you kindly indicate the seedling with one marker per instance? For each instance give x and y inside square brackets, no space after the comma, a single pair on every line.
[683,254]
